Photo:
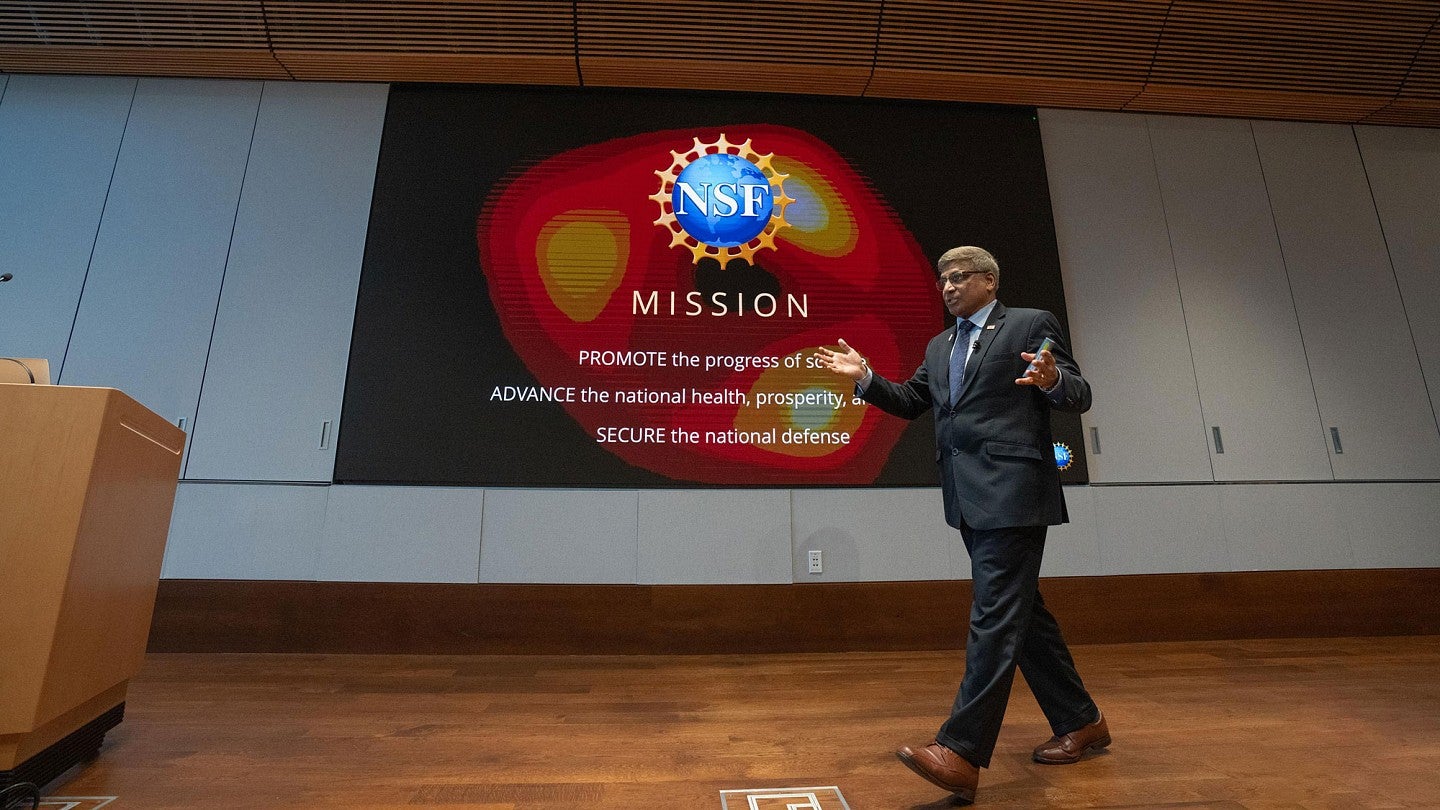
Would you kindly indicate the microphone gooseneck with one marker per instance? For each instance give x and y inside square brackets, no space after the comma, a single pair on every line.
[28,371]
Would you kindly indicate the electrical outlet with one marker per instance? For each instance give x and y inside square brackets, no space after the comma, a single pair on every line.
[816,566]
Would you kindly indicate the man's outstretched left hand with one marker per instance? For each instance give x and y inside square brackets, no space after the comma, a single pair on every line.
[1042,372]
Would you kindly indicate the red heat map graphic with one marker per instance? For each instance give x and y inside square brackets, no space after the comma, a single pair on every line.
[577,265]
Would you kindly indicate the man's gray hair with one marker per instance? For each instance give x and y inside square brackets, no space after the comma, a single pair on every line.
[977,258]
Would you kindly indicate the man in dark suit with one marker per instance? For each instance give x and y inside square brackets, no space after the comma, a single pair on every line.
[992,391]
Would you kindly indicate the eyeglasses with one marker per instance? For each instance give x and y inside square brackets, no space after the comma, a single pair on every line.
[956,279]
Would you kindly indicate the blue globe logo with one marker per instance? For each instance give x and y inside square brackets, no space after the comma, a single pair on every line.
[1063,456]
[722,200]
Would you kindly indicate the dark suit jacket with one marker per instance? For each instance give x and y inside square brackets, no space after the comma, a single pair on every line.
[994,448]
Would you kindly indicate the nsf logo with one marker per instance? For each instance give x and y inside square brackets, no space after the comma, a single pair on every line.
[721,200]
[1063,456]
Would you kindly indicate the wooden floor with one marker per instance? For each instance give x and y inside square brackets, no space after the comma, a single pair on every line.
[1305,723]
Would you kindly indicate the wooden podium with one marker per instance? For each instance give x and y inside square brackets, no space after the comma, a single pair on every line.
[87,483]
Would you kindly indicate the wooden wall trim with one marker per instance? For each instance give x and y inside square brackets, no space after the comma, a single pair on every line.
[410,618]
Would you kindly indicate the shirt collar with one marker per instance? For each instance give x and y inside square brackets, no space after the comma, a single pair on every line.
[982,315]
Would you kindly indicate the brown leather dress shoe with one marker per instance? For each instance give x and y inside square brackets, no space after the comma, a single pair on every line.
[943,768]
[1070,748]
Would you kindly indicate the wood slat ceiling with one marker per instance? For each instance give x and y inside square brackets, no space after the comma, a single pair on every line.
[800,47]
[1376,61]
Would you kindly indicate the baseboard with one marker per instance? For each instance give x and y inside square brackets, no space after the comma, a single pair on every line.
[367,617]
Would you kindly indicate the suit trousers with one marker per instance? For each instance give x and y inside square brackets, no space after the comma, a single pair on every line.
[1010,627]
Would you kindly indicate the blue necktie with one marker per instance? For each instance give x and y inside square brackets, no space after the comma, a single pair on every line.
[958,353]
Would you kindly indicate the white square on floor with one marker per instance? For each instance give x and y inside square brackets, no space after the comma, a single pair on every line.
[803,798]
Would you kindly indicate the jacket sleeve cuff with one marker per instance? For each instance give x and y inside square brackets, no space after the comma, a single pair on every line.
[864,382]
[1056,392]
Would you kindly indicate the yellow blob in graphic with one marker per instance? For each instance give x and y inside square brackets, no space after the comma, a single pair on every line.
[581,255]
[819,220]
[815,415]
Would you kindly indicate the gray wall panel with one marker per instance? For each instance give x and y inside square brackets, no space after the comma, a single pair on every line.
[59,136]
[553,535]
[1278,527]
[1073,549]
[1403,166]
[401,534]
[1391,525]
[1123,299]
[873,535]
[276,370]
[1357,340]
[1163,529]
[148,305]
[1244,336]
[245,531]
[704,536]
[268,531]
